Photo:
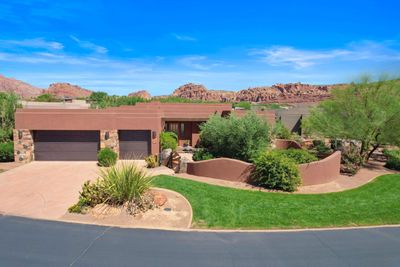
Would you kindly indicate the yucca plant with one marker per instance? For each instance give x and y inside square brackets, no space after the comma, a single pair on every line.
[125,183]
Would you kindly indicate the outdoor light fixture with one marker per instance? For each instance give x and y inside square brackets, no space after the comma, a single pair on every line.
[107,135]
[154,134]
[19,134]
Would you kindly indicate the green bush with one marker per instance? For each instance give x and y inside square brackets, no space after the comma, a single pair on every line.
[274,170]
[235,137]
[8,105]
[47,98]
[393,161]
[168,140]
[151,161]
[107,157]
[202,154]
[125,184]
[280,131]
[299,156]
[6,152]
[244,105]
[92,193]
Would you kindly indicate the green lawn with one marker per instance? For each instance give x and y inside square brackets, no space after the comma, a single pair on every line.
[375,203]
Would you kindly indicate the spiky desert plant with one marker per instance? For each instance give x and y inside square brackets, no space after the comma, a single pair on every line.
[124,183]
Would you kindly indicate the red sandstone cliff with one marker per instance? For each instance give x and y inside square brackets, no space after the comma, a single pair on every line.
[67,90]
[284,93]
[142,93]
[21,88]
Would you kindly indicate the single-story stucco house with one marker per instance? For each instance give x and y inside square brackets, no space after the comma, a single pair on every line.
[131,131]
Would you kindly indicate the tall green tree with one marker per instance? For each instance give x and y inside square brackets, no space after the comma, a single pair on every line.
[8,105]
[367,113]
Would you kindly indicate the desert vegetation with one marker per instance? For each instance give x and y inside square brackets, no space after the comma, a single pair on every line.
[8,105]
[365,115]
[107,157]
[235,137]
[125,185]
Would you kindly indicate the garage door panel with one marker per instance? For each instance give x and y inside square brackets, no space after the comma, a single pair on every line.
[134,144]
[64,156]
[66,145]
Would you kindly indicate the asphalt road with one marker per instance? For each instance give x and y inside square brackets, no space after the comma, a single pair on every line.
[25,242]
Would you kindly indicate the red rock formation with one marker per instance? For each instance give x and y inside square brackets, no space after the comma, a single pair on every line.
[24,90]
[279,93]
[285,93]
[200,92]
[67,90]
[142,93]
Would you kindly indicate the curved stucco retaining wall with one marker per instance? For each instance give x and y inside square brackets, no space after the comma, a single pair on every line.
[221,168]
[317,172]
[321,171]
[286,144]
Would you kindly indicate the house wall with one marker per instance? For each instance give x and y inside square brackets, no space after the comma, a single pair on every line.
[24,146]
[142,116]
[112,142]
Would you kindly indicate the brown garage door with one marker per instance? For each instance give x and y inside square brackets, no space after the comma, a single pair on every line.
[134,144]
[66,145]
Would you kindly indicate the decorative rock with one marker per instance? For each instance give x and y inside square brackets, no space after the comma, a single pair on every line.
[164,156]
[182,168]
[159,199]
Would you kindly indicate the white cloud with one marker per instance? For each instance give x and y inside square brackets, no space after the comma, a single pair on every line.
[184,37]
[34,43]
[301,58]
[90,46]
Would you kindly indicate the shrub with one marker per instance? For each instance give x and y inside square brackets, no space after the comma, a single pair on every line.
[235,137]
[107,157]
[393,161]
[243,104]
[151,161]
[47,98]
[92,193]
[299,156]
[274,170]
[351,160]
[280,131]
[6,152]
[202,154]
[168,140]
[125,184]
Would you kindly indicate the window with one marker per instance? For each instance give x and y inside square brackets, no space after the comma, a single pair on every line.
[182,129]
[173,127]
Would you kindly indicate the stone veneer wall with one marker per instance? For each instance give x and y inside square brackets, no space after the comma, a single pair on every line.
[112,142]
[23,148]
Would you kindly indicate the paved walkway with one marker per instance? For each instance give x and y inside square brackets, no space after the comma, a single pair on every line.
[365,175]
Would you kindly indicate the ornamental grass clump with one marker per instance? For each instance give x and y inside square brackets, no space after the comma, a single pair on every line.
[122,185]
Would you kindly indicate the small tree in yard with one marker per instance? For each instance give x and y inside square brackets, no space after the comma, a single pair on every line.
[235,137]
[367,113]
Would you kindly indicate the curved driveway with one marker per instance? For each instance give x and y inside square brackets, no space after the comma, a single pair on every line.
[26,242]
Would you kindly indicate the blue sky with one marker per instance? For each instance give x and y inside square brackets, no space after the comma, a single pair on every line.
[124,46]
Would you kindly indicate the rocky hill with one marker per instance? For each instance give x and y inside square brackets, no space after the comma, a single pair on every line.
[67,90]
[142,93]
[279,93]
[21,88]
[200,92]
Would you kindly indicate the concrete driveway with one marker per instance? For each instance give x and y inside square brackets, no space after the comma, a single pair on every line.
[43,189]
